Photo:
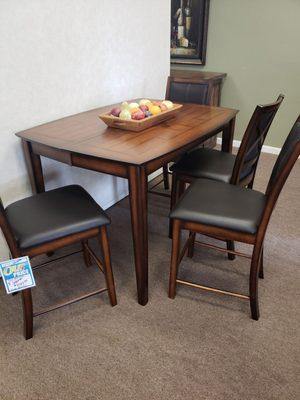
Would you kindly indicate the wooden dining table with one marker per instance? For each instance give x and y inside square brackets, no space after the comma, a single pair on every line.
[84,141]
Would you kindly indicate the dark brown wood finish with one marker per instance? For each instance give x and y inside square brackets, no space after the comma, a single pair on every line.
[209,86]
[32,252]
[209,83]
[83,140]
[283,166]
[50,247]
[247,158]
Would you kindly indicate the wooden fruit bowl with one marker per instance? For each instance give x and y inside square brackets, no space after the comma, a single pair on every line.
[140,125]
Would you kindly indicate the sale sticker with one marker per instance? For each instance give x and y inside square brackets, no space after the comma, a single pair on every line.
[17,274]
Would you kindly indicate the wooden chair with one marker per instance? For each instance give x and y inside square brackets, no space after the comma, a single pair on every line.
[48,221]
[226,167]
[191,90]
[179,90]
[231,212]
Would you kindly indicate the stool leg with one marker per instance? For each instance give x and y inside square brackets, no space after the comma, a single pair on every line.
[166,177]
[107,265]
[86,254]
[174,259]
[230,246]
[178,188]
[191,247]
[261,265]
[253,282]
[27,313]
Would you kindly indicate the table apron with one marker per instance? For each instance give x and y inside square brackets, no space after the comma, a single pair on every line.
[114,167]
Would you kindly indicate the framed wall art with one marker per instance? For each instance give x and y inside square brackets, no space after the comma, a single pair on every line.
[189,24]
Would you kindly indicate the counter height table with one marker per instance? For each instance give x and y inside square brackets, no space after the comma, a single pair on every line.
[84,141]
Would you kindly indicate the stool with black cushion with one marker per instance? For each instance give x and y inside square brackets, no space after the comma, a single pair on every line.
[198,87]
[48,221]
[231,212]
[225,167]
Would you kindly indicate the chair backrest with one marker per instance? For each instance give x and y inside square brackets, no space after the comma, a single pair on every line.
[181,91]
[7,232]
[250,149]
[284,164]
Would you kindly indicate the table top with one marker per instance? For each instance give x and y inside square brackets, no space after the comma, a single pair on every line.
[85,133]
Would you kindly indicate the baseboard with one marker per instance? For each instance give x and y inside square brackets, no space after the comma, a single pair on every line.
[265,148]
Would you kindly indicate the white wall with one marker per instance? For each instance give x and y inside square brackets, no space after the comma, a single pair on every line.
[60,57]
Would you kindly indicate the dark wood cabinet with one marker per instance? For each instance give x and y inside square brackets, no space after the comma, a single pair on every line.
[201,87]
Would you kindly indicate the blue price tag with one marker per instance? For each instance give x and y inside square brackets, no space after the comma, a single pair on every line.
[17,274]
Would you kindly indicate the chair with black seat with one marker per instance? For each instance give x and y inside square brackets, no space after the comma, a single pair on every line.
[226,167]
[231,212]
[48,221]
[182,91]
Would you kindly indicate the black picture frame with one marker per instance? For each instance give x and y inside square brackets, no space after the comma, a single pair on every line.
[189,26]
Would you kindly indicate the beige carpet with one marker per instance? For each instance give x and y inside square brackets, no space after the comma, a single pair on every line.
[198,346]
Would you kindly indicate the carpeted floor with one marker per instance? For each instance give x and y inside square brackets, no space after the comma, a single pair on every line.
[198,346]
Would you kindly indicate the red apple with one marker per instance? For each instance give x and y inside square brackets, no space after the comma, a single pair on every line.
[163,107]
[115,111]
[156,103]
[144,108]
[138,115]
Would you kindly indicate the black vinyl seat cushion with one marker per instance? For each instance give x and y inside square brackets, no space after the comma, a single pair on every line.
[221,205]
[206,163]
[54,214]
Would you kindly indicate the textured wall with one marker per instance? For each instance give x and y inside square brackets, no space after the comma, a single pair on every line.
[60,57]
[257,43]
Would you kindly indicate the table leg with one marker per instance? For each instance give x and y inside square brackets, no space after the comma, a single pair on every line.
[227,136]
[34,168]
[138,188]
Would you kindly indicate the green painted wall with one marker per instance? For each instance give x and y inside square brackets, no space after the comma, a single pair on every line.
[257,43]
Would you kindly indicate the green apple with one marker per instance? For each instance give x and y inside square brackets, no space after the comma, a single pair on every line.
[125,114]
[124,105]
[144,102]
[169,104]
[132,106]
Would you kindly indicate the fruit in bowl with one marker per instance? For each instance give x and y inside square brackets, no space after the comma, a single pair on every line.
[169,104]
[144,102]
[137,115]
[116,111]
[163,107]
[132,106]
[138,111]
[134,110]
[125,114]
[144,107]
[154,110]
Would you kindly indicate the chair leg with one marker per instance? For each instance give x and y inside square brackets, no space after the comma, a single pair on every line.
[230,246]
[86,254]
[250,184]
[191,247]
[178,188]
[27,313]
[253,281]
[174,258]
[107,266]
[166,177]
[261,265]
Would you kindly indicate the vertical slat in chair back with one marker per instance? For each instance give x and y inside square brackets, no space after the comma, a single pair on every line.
[285,161]
[254,137]
[9,237]
[181,91]
[284,164]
